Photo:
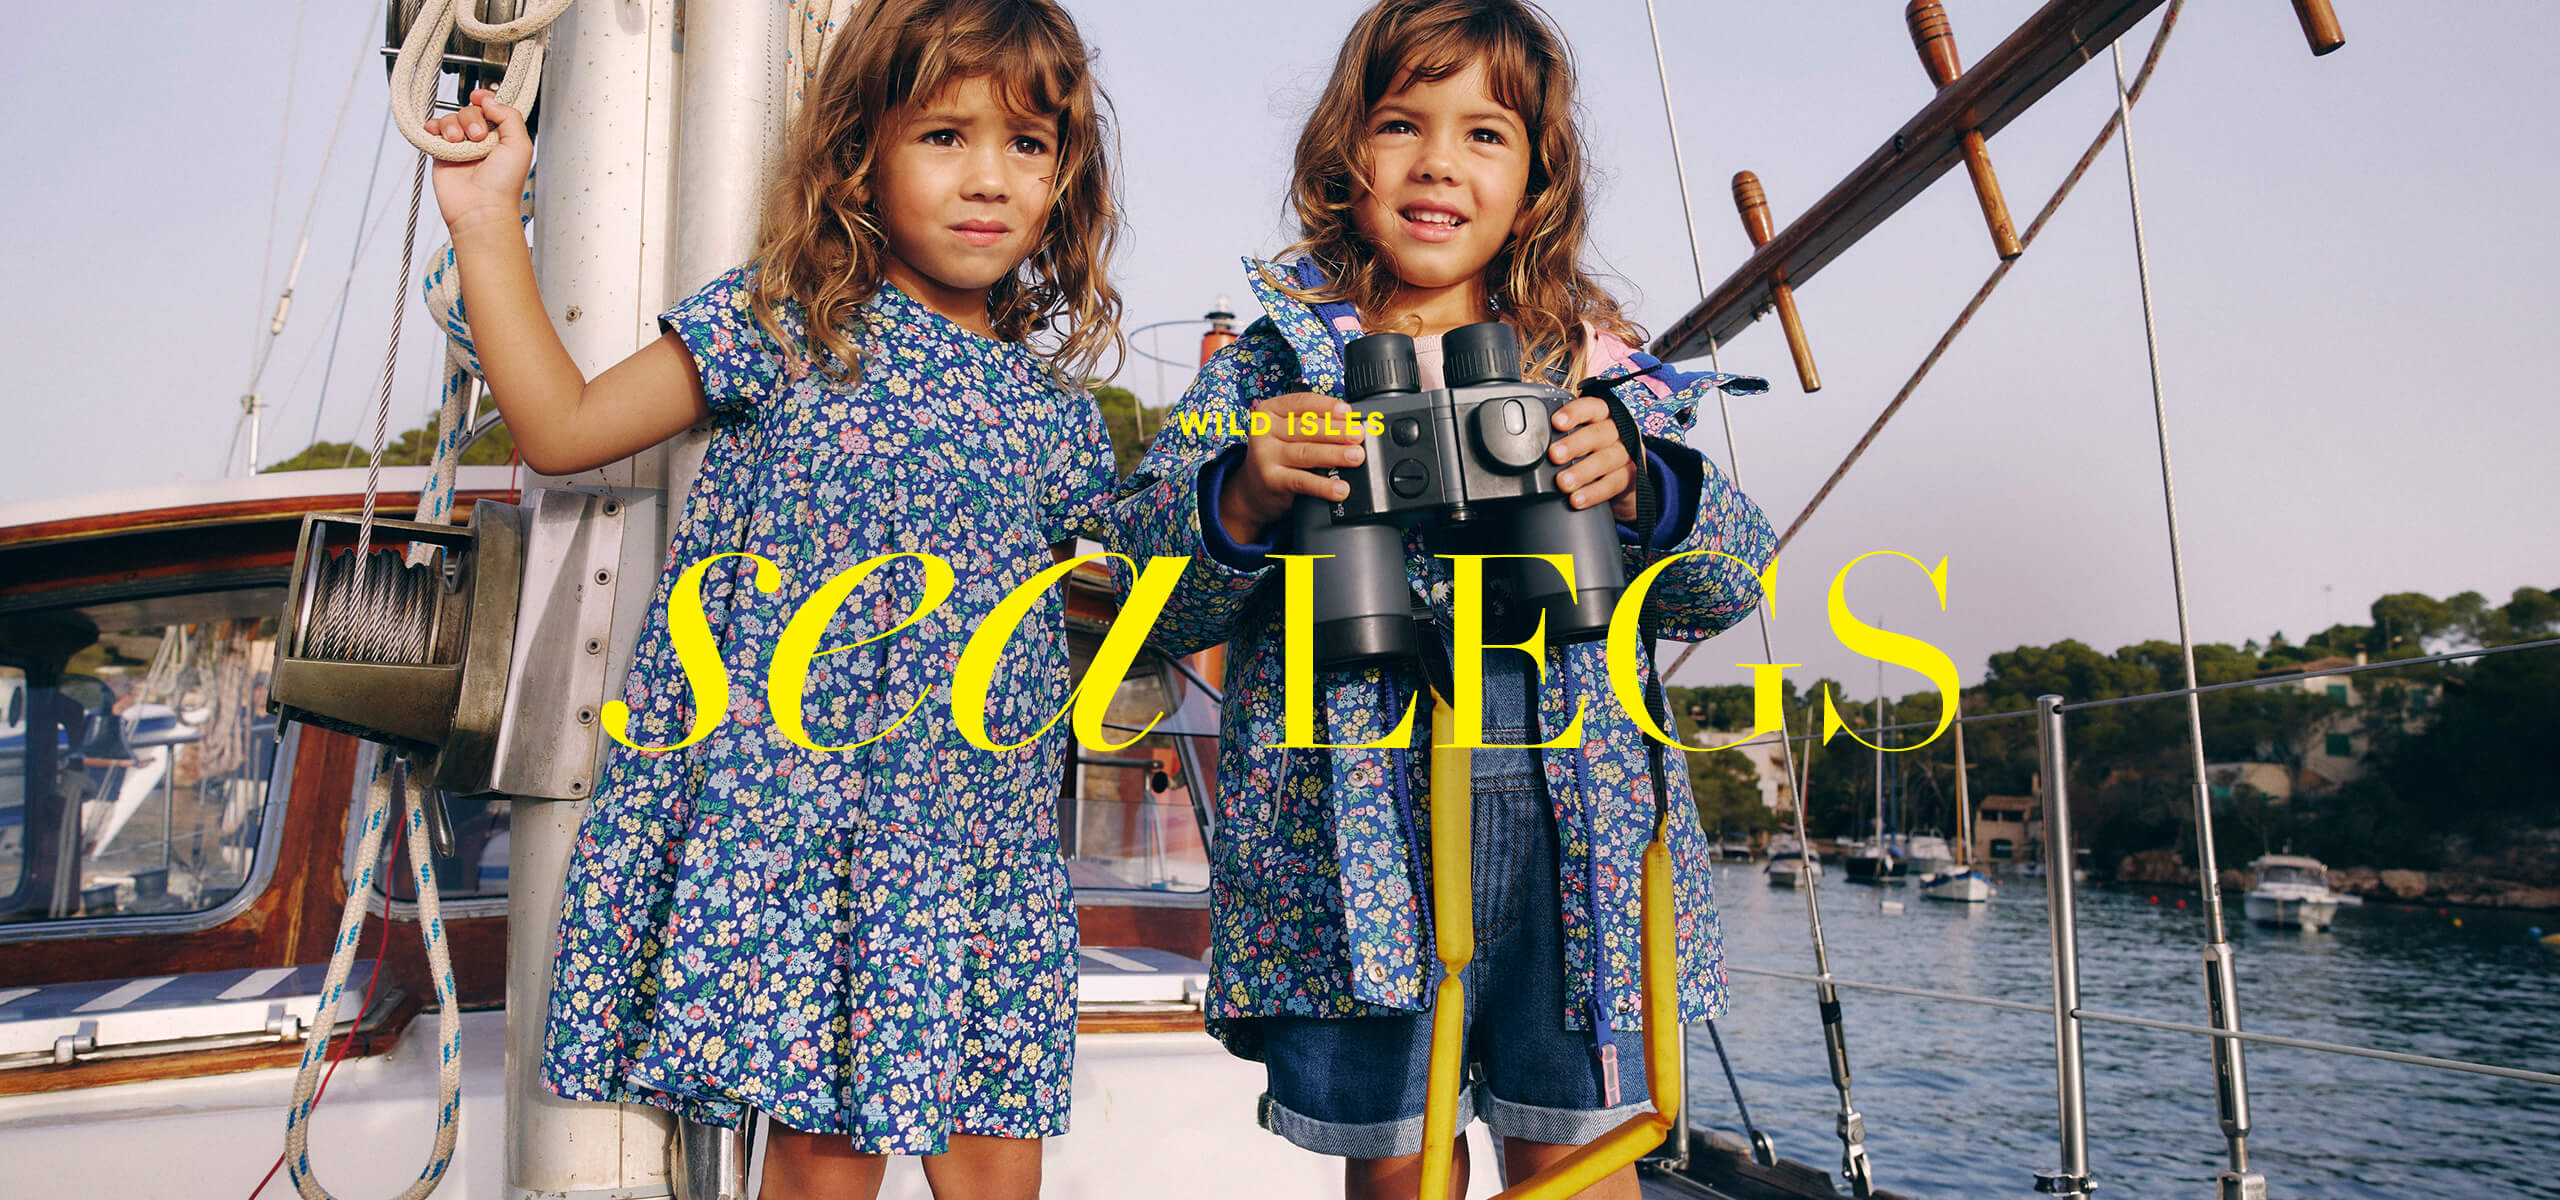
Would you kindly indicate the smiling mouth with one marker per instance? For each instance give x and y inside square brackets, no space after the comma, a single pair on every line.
[1426,224]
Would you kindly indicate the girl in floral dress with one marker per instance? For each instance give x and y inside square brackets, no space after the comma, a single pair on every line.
[1439,183]
[861,925]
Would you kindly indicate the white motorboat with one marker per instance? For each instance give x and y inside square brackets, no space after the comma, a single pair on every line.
[2292,892]
[1790,865]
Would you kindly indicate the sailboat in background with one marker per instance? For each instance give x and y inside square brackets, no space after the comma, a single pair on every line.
[1877,860]
[1959,882]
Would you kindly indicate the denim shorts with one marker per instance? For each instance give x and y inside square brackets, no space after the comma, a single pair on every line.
[1354,1086]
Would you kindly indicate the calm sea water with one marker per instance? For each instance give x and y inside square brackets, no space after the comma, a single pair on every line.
[1959,1099]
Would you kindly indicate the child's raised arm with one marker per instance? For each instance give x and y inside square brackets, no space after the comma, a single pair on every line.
[562,421]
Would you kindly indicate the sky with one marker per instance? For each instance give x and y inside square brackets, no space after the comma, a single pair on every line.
[2350,258]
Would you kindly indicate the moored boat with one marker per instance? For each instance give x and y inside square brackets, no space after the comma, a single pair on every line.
[2291,892]
[1791,865]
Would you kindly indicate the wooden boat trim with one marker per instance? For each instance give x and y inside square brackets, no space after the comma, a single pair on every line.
[1168,1021]
[2044,50]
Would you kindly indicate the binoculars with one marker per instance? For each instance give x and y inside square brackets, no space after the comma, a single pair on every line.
[1464,463]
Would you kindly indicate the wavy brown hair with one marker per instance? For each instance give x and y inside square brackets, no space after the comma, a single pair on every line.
[1536,280]
[821,245]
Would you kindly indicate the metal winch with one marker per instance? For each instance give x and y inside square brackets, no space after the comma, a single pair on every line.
[412,655]
[488,664]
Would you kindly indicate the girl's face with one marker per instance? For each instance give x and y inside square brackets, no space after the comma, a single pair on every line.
[963,185]
[1449,168]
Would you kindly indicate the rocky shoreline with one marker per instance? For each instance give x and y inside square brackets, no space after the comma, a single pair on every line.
[2456,886]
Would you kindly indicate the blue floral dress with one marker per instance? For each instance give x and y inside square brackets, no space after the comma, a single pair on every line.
[874,942]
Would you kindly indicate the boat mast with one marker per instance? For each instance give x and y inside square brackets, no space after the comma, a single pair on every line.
[1964,805]
[1878,749]
[654,149]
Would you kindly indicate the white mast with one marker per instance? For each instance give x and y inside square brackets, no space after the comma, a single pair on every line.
[600,233]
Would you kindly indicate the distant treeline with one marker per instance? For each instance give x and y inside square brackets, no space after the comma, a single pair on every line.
[2460,759]
[409,448]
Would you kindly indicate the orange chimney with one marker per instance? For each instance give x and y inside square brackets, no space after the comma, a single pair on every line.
[1221,333]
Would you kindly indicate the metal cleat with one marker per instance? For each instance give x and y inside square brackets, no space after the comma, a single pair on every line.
[2241,1185]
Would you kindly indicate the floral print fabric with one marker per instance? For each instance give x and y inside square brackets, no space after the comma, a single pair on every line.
[875,941]
[1319,884]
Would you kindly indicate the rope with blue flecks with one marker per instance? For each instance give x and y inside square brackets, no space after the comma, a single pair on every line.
[390,774]
[442,291]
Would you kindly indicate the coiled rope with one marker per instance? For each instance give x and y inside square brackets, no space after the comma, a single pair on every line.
[374,609]
[813,25]
[392,776]
[420,65]
[377,608]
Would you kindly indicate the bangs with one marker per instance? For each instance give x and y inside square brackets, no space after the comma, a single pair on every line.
[1019,56]
[1426,51]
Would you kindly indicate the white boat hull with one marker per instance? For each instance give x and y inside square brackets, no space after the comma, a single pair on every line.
[2286,912]
[1155,1116]
[1967,888]
[1791,873]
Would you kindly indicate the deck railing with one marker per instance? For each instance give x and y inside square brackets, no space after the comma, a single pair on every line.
[2071,1126]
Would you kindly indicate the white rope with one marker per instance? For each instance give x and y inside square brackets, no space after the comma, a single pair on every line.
[421,63]
[389,774]
[1855,1162]
[379,622]
[814,24]
[441,290]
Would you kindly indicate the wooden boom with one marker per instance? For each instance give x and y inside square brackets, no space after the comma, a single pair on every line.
[2046,48]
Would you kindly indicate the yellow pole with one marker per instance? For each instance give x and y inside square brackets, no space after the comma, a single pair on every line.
[1639,1134]
[1453,933]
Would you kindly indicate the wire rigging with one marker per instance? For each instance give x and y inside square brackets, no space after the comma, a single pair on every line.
[1854,1162]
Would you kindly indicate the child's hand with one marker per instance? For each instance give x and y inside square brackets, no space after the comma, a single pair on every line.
[1279,466]
[470,194]
[1603,472]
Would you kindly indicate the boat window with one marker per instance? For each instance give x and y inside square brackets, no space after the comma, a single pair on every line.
[135,754]
[476,868]
[2285,874]
[1129,819]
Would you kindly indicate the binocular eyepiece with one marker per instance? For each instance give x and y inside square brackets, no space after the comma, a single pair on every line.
[1471,458]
